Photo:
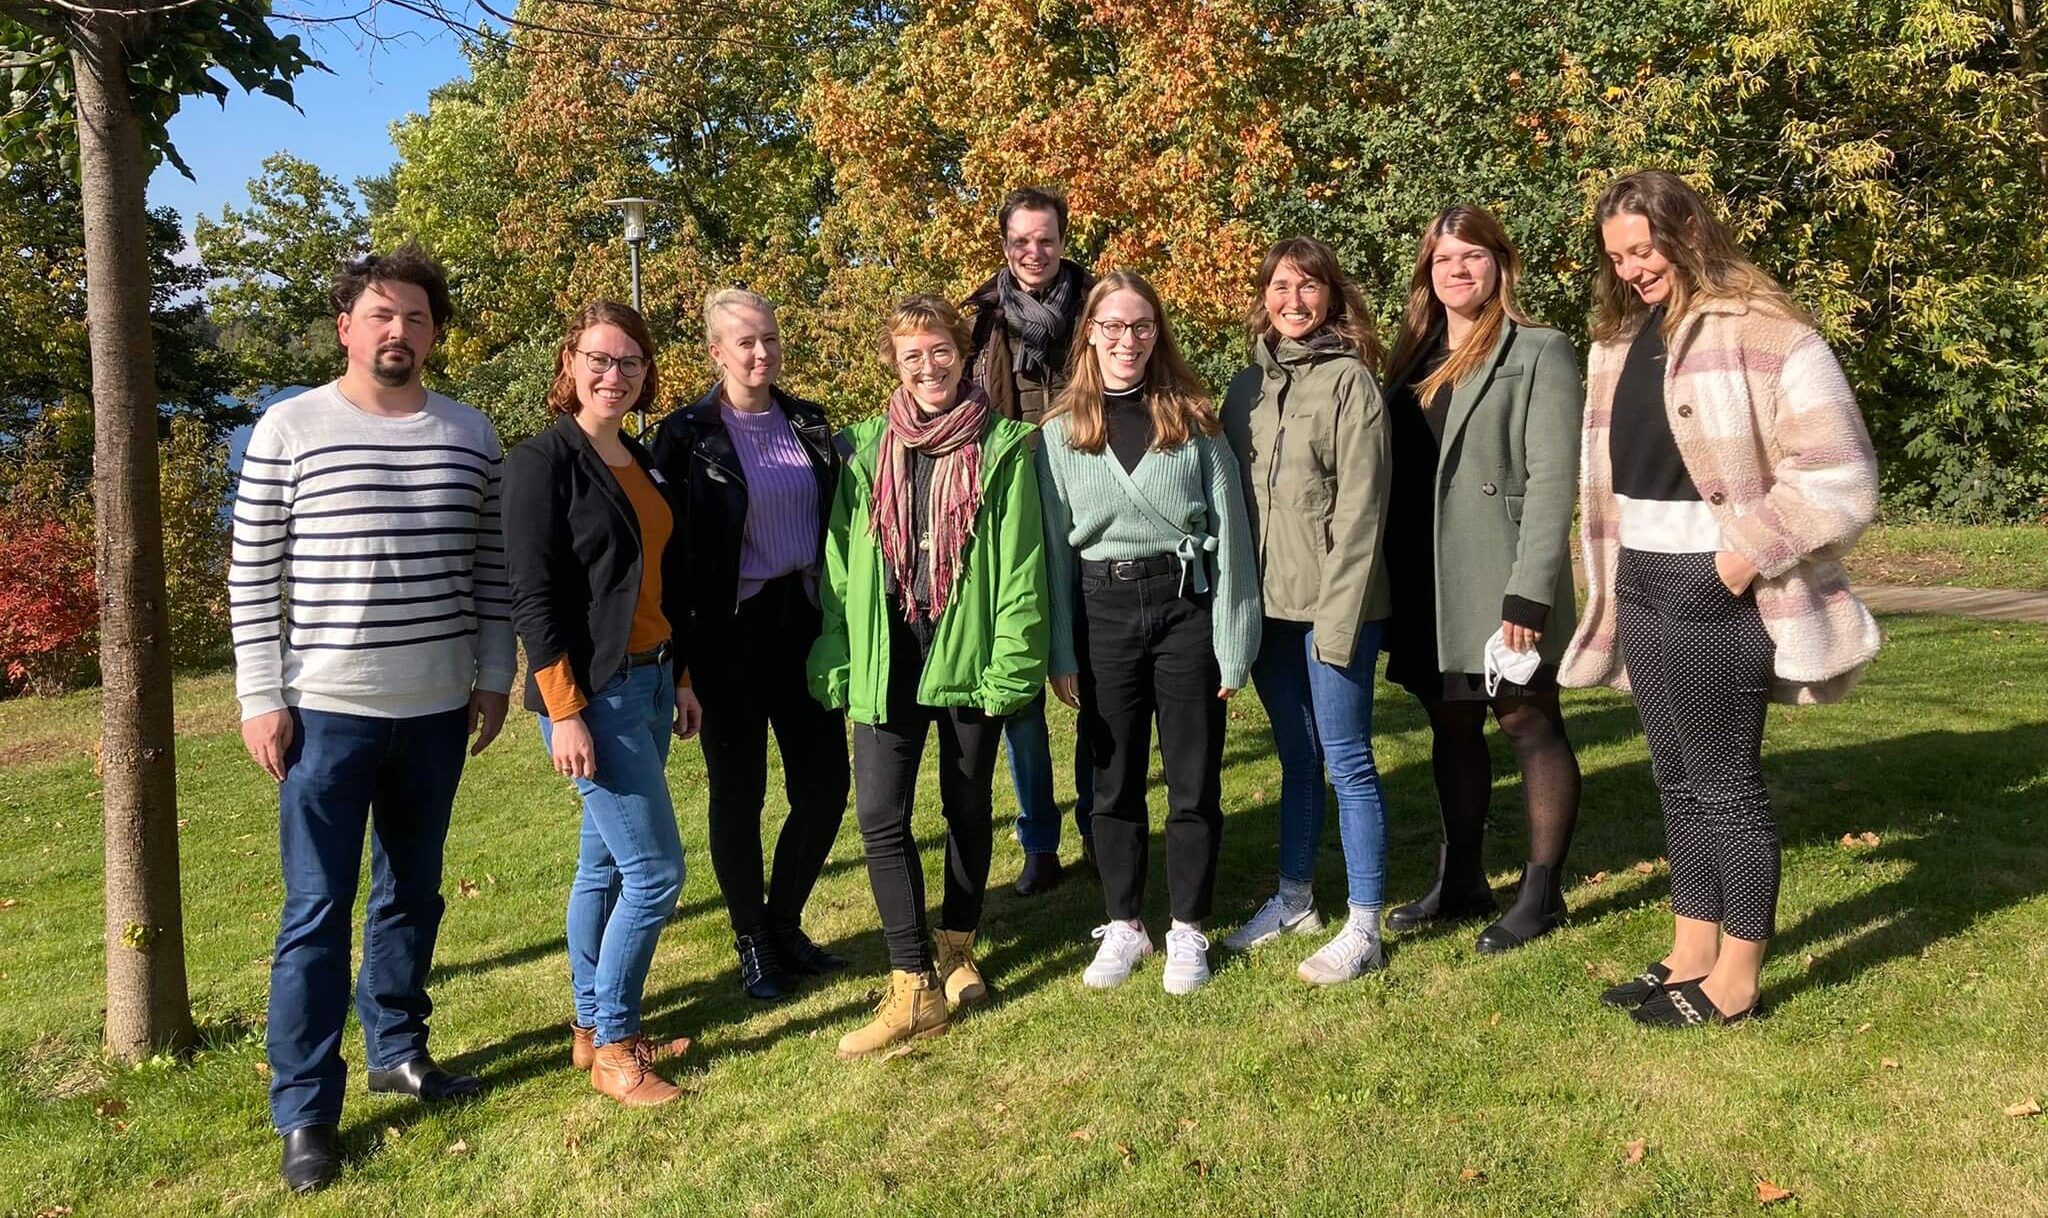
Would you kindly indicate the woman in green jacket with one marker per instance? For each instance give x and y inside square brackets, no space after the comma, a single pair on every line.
[1155,612]
[1306,422]
[1485,406]
[934,613]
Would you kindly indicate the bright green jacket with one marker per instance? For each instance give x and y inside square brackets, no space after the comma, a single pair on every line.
[990,646]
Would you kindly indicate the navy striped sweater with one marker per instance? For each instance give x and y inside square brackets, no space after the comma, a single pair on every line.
[368,572]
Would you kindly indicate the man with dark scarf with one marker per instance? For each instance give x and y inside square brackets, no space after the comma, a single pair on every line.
[1024,321]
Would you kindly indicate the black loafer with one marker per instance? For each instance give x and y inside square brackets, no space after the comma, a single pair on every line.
[1641,988]
[1500,938]
[421,1079]
[760,967]
[1686,1005]
[312,1158]
[804,956]
[1440,907]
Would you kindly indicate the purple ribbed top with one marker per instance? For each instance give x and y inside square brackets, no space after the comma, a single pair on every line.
[781,533]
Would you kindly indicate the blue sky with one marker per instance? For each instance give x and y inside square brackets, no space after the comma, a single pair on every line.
[346,125]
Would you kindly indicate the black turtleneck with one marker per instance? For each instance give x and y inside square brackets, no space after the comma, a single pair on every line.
[1127,415]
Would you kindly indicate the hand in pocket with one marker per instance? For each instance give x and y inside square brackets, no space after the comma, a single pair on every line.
[1737,573]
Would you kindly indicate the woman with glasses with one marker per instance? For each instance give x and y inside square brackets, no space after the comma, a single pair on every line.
[755,468]
[934,616]
[596,580]
[1155,612]
[1309,429]
[1485,407]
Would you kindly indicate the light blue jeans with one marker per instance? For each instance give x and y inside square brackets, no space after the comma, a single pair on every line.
[1038,810]
[1322,721]
[629,867]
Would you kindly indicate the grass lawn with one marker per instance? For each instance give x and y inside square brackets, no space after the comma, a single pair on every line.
[1990,556]
[1906,992]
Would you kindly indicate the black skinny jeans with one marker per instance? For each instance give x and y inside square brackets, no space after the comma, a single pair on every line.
[1699,662]
[1146,652]
[749,675]
[885,760]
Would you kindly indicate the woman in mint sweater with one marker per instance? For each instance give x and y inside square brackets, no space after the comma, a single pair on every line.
[1145,520]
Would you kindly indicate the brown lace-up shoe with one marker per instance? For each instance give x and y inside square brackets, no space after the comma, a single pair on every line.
[624,1070]
[957,969]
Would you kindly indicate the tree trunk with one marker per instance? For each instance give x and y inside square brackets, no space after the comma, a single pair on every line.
[148,1010]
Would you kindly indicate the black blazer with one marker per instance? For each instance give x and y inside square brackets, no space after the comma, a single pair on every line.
[693,449]
[572,548]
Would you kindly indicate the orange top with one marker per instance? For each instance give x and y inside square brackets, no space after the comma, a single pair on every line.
[650,628]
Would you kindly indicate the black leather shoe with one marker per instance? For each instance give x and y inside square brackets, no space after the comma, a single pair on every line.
[1041,874]
[312,1158]
[1640,988]
[760,967]
[1460,893]
[1538,910]
[804,956]
[1687,1006]
[421,1079]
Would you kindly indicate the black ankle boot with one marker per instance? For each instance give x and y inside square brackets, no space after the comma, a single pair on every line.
[801,954]
[760,967]
[1460,891]
[1538,910]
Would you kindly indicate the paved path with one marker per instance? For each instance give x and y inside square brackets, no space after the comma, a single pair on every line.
[1996,605]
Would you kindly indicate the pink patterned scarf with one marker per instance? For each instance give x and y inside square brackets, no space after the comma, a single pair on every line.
[953,441]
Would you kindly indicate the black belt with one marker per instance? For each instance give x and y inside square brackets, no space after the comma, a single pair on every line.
[1128,569]
[657,655]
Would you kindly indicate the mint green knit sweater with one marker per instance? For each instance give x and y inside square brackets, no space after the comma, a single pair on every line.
[1089,514]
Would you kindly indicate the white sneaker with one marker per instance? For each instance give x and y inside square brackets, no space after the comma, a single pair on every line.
[1273,919]
[1350,955]
[1187,961]
[1122,947]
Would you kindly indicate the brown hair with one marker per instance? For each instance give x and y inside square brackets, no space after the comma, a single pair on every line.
[1032,198]
[1347,315]
[562,394]
[925,314]
[1180,407]
[406,264]
[1707,261]
[1476,226]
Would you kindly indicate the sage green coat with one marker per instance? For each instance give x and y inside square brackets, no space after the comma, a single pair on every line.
[1506,480]
[1311,434]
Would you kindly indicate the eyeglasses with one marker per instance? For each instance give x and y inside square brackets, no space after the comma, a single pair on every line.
[941,357]
[1143,331]
[599,363]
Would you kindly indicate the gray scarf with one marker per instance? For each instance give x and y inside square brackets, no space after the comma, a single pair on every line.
[1039,329]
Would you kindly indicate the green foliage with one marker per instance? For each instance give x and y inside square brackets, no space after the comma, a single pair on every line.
[270,264]
[196,491]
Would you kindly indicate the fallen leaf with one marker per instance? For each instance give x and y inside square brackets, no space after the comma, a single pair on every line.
[1861,1028]
[1868,839]
[263,1068]
[459,1147]
[9,903]
[1495,1021]
[1198,1166]
[467,888]
[391,1133]
[903,1050]
[1082,1135]
[1598,877]
[1636,1150]
[2025,1108]
[574,1144]
[1259,795]
[160,1182]
[1809,961]
[1188,1124]
[1590,970]
[1129,1156]
[1471,1173]
[53,1211]
[1646,867]
[109,1109]
[1001,1108]
[1768,1193]
[1888,1063]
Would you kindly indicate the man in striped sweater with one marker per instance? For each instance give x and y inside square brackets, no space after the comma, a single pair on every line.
[372,638]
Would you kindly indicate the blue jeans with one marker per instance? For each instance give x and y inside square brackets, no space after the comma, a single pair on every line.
[346,774]
[1322,720]
[1038,810]
[629,867]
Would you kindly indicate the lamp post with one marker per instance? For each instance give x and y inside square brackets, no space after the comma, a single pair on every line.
[635,210]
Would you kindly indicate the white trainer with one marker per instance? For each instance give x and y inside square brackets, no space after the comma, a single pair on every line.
[1187,961]
[1123,945]
[1349,956]
[1274,919]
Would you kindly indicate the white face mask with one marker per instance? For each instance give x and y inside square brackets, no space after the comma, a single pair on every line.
[1503,663]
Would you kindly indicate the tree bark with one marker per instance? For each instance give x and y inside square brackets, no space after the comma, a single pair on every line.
[148,1010]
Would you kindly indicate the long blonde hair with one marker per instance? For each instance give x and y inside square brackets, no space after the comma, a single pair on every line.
[1476,226]
[1180,406]
[1348,315]
[1708,262]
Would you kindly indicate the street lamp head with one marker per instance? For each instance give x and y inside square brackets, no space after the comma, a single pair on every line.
[636,217]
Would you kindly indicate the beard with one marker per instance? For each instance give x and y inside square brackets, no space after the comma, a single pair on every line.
[393,366]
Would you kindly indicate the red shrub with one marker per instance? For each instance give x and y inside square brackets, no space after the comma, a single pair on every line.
[49,603]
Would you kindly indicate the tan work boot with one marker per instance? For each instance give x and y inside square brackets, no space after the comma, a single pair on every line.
[962,978]
[624,1070]
[582,1046]
[913,1007]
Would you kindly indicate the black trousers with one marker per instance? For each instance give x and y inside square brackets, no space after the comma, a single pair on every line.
[1146,653]
[885,760]
[1699,661]
[750,676]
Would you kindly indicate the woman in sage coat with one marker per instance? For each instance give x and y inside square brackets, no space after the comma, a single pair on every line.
[1485,413]
[1310,432]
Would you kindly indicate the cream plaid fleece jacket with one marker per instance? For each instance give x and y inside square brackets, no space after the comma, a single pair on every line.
[1769,430]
